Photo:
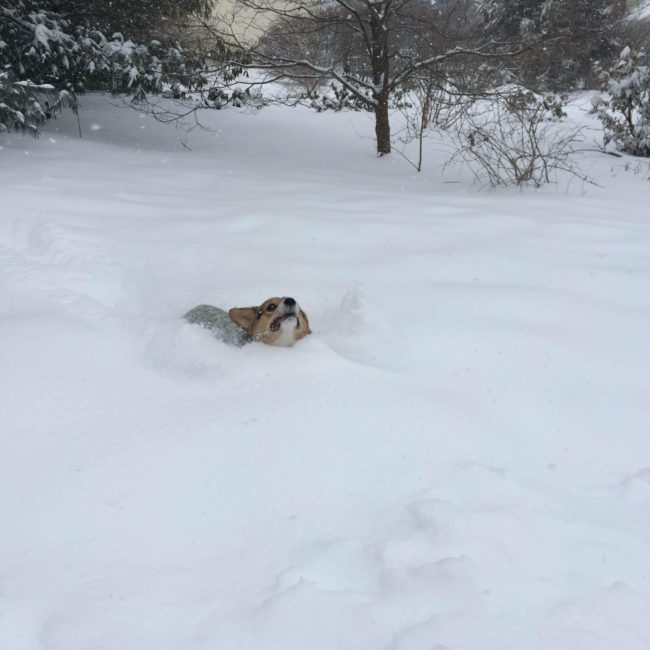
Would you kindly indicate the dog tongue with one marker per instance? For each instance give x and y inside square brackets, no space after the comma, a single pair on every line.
[275,323]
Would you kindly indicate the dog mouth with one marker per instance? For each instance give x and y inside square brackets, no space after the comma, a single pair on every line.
[276,322]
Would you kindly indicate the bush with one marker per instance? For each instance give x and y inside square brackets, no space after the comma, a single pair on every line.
[25,106]
[50,52]
[627,118]
[337,99]
[511,138]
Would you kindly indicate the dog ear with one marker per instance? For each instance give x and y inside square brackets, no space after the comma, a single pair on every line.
[243,316]
[306,321]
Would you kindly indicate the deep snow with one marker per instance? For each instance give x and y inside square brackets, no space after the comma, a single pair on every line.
[458,458]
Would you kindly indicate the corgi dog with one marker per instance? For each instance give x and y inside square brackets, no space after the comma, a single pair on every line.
[277,321]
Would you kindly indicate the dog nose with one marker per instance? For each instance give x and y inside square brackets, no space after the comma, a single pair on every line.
[289,302]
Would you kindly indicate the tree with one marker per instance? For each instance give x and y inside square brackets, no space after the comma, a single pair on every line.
[141,21]
[635,27]
[370,47]
[584,32]
[565,38]
[24,106]
[53,50]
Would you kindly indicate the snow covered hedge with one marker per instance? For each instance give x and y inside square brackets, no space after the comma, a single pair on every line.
[627,118]
[25,106]
[47,48]
[46,56]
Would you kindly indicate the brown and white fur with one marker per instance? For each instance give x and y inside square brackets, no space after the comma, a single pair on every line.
[277,321]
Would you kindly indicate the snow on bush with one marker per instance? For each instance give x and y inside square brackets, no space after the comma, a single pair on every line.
[42,47]
[25,106]
[627,119]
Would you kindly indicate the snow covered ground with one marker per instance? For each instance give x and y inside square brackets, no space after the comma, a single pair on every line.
[457,459]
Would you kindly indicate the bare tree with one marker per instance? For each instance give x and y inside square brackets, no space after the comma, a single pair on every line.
[370,47]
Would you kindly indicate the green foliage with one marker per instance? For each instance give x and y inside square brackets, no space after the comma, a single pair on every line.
[46,47]
[25,106]
[20,108]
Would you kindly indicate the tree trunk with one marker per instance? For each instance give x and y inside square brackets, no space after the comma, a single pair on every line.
[380,62]
[382,126]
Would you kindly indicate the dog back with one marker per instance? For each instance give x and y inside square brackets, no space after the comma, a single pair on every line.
[218,322]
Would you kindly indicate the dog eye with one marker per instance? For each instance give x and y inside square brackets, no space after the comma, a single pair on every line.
[272,307]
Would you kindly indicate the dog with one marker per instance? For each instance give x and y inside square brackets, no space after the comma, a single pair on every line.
[277,321]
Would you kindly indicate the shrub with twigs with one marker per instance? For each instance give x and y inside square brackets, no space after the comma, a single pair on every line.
[512,137]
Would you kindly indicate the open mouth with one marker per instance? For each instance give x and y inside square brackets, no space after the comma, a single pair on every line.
[276,322]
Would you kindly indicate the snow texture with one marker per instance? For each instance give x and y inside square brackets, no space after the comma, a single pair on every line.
[641,11]
[458,458]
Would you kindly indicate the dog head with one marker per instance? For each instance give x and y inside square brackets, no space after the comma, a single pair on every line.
[277,321]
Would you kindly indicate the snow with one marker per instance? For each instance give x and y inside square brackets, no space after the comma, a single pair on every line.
[133,75]
[44,35]
[458,458]
[641,11]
